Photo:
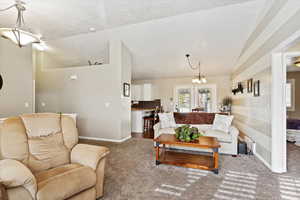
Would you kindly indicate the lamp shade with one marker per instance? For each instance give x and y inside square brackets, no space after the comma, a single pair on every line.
[19,37]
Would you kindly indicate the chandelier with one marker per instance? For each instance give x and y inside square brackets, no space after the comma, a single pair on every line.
[199,78]
[18,34]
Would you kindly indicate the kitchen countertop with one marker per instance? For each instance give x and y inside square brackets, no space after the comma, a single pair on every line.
[142,109]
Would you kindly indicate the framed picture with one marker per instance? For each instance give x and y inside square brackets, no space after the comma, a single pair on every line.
[256,88]
[126,89]
[1,82]
[250,85]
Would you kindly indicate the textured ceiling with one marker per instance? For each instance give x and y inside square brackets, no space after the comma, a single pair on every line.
[61,18]
[215,37]
[158,32]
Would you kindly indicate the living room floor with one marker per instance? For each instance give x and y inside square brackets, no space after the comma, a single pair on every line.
[131,174]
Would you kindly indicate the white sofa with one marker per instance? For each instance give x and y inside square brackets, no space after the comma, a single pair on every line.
[228,141]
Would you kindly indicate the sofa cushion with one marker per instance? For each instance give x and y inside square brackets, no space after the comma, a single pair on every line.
[167,120]
[167,131]
[220,135]
[222,123]
[64,181]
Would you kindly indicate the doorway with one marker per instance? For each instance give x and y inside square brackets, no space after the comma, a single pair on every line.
[283,103]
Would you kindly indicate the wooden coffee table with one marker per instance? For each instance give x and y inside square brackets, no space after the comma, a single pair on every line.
[188,159]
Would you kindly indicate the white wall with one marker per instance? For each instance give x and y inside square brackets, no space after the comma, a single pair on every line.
[164,88]
[17,72]
[95,96]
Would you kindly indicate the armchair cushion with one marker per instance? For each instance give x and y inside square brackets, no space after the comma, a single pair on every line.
[64,181]
[13,174]
[88,155]
[3,193]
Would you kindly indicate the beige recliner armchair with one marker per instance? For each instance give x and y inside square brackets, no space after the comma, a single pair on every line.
[41,160]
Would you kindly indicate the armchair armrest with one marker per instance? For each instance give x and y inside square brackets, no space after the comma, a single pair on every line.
[88,155]
[13,174]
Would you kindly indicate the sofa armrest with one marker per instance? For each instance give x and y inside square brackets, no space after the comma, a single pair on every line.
[156,128]
[14,173]
[234,132]
[88,155]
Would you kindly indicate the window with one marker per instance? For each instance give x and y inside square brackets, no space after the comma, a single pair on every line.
[203,99]
[184,100]
[195,97]
[290,94]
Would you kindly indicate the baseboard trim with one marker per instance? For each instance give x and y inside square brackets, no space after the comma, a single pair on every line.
[105,139]
[263,160]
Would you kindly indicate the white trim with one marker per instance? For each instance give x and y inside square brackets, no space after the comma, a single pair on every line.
[293,92]
[262,160]
[279,71]
[279,153]
[278,103]
[105,139]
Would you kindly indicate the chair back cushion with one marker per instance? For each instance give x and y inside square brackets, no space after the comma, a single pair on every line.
[41,141]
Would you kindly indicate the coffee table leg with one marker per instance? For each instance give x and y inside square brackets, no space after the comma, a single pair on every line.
[157,154]
[216,160]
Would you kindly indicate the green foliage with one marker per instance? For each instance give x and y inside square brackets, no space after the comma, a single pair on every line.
[186,133]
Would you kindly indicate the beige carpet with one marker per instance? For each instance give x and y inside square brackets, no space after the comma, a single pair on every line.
[131,174]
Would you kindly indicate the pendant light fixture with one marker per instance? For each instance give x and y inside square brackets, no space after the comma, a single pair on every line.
[19,34]
[200,78]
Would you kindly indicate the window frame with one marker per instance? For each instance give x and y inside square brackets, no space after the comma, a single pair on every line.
[292,82]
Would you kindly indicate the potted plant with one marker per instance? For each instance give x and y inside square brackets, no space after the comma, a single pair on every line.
[186,133]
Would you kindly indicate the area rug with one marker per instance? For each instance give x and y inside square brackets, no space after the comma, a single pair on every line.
[131,174]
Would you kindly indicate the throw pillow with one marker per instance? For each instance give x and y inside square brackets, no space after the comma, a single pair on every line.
[222,123]
[167,120]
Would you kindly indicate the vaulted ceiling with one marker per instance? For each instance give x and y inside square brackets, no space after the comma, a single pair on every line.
[158,32]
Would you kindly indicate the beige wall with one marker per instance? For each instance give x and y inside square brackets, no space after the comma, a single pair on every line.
[253,114]
[295,114]
[125,101]
[17,71]
[96,96]
[164,88]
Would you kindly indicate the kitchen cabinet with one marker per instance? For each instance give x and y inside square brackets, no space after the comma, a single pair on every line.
[137,119]
[136,93]
[141,92]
